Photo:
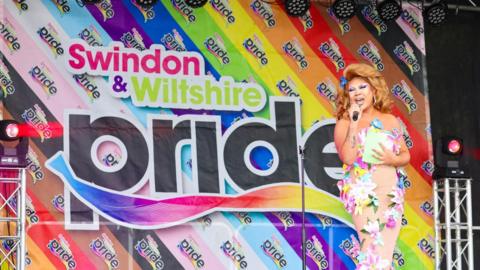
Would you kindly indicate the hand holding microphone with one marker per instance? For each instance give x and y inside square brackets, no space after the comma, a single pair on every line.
[355,115]
[354,112]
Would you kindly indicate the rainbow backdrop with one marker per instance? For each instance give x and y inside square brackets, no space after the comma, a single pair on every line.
[399,46]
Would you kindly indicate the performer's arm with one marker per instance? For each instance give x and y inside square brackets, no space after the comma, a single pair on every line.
[403,158]
[388,157]
[345,137]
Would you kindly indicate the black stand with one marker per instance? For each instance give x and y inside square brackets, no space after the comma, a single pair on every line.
[302,180]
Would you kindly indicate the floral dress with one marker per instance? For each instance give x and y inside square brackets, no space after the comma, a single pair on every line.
[374,196]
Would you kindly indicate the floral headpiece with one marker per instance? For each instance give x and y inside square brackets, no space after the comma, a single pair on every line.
[343,82]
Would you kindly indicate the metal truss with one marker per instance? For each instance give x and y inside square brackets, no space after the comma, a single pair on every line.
[453,223]
[12,218]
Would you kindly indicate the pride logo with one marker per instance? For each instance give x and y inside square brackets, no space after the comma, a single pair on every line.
[148,249]
[190,249]
[327,89]
[33,166]
[103,248]
[404,53]
[7,33]
[49,35]
[369,52]
[87,84]
[306,21]
[216,47]
[224,9]
[271,247]
[403,92]
[331,50]
[233,250]
[315,252]
[184,10]
[265,12]
[288,88]
[41,75]
[36,118]
[60,248]
[133,40]
[105,7]
[293,49]
[285,218]
[6,83]
[254,47]
[62,6]
[411,19]
[371,15]
[91,36]
[59,203]
[173,41]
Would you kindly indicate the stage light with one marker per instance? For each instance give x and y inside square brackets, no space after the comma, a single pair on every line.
[389,10]
[297,8]
[448,156]
[196,3]
[146,3]
[436,13]
[344,9]
[12,156]
[452,146]
[12,130]
[9,130]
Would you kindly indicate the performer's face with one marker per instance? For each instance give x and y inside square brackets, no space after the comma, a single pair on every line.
[360,92]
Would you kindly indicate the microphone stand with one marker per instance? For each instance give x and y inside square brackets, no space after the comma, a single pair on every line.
[302,180]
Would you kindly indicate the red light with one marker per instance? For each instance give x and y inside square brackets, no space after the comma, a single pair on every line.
[12,130]
[454,146]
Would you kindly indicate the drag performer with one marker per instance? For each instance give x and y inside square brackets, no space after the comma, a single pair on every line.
[371,189]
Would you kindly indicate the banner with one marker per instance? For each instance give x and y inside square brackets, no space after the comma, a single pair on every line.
[168,137]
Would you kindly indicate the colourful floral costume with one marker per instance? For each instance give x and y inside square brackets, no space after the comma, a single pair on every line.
[373,195]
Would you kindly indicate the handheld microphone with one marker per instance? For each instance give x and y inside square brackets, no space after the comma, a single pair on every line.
[356,113]
[355,116]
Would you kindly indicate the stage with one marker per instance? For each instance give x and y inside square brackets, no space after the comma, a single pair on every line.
[172,136]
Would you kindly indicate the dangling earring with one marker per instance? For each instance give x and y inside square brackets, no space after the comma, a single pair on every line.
[374,100]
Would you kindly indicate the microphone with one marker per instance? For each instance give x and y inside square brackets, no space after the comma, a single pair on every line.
[355,116]
[356,113]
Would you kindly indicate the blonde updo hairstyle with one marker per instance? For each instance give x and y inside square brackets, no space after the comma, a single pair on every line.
[377,83]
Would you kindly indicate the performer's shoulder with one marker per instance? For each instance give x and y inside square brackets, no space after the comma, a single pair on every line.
[390,120]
